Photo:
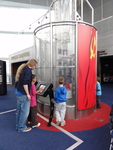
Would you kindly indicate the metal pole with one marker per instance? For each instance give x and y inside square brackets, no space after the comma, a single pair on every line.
[51,49]
[92,11]
[75,10]
[82,10]
[76,70]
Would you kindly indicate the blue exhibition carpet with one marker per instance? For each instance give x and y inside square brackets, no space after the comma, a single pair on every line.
[45,139]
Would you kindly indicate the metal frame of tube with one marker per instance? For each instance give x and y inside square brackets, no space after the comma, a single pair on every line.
[71,23]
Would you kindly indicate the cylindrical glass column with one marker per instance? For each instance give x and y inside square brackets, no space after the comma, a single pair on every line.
[59,49]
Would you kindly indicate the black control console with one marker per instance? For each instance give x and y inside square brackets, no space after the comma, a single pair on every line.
[46,87]
[47,90]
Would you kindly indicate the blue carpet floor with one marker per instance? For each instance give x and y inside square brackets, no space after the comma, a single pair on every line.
[39,139]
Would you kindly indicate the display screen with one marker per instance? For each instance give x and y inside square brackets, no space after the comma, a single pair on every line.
[42,86]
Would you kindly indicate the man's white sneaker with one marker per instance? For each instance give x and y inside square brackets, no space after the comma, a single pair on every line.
[27,129]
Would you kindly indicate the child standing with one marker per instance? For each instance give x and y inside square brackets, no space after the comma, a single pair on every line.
[98,93]
[60,99]
[33,104]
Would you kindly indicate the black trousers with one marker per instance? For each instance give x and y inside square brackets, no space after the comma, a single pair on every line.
[98,101]
[51,96]
[32,115]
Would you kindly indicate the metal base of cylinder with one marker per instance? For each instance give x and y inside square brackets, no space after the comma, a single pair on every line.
[44,109]
[84,113]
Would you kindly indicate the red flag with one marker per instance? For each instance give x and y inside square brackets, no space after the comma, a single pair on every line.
[86,67]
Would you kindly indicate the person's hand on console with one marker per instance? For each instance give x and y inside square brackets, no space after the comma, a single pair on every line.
[40,90]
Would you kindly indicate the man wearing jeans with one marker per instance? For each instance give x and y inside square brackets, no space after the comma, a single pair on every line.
[23,86]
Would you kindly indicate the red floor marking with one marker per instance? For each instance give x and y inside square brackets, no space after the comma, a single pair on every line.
[99,118]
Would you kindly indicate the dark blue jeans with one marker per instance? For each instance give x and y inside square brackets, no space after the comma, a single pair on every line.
[23,107]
